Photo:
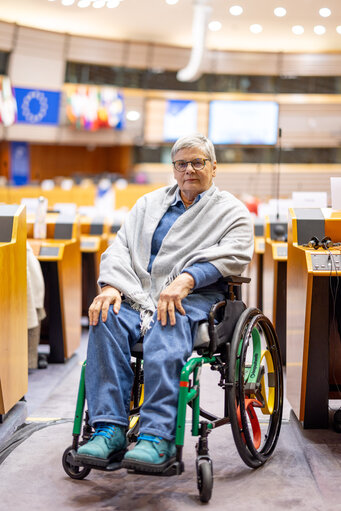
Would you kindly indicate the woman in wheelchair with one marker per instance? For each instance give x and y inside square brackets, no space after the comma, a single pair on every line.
[159,279]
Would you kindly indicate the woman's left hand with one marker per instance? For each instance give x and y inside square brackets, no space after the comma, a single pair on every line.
[170,298]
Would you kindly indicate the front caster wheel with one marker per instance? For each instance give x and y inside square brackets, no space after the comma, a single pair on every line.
[74,471]
[205,480]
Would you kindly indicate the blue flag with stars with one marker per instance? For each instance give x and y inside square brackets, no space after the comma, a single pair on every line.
[37,106]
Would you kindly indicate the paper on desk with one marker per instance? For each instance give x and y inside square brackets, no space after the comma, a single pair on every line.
[335,187]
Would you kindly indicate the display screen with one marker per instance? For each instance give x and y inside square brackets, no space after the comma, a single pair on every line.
[180,119]
[243,122]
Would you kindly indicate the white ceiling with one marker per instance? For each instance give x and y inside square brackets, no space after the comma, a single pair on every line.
[156,21]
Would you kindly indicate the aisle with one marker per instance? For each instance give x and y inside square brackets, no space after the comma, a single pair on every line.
[304,474]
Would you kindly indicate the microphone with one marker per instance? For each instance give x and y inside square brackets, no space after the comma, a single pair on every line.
[279,154]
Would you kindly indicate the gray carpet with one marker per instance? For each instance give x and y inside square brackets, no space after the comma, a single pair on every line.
[303,474]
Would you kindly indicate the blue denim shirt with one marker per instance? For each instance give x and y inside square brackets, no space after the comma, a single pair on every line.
[203,274]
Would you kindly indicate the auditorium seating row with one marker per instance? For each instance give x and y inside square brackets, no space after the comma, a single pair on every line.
[123,197]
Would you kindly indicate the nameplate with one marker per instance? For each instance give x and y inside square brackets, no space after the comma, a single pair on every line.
[49,251]
[282,251]
[88,244]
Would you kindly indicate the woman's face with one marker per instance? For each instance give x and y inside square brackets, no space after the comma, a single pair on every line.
[192,182]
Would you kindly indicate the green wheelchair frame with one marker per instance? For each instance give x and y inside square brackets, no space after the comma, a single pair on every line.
[250,367]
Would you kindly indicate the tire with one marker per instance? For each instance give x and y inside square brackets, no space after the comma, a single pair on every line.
[73,471]
[255,379]
[205,480]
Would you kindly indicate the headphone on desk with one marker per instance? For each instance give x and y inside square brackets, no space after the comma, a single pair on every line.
[325,243]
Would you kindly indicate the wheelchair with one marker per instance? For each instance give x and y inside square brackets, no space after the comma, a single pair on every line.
[241,345]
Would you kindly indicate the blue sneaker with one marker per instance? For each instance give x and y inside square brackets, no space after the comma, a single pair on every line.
[151,454]
[106,445]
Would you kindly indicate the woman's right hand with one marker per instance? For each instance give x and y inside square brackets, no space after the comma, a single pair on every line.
[108,296]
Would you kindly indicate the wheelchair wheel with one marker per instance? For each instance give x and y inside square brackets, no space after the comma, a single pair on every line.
[255,379]
[73,471]
[205,480]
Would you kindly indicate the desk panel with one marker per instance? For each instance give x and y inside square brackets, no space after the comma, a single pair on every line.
[13,315]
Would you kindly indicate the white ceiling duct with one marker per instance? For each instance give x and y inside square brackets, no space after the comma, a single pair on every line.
[202,11]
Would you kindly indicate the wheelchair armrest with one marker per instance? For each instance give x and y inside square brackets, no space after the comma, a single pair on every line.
[236,280]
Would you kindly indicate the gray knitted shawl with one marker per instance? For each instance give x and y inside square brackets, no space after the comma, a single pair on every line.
[217,229]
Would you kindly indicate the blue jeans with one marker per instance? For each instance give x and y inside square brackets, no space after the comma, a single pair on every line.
[109,377]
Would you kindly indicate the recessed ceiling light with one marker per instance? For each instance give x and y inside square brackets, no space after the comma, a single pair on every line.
[68,2]
[236,10]
[214,26]
[133,115]
[98,4]
[256,29]
[171,2]
[280,12]
[298,29]
[325,12]
[111,4]
[338,29]
[83,3]
[319,29]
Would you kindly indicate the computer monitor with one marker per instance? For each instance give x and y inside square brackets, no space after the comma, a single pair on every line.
[243,122]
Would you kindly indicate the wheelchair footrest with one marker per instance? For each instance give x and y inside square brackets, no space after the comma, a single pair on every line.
[112,463]
[169,468]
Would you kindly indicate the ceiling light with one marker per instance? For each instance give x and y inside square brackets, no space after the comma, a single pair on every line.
[338,29]
[298,29]
[111,4]
[280,12]
[68,2]
[236,10]
[214,26]
[319,29]
[133,115]
[83,3]
[98,4]
[256,29]
[325,12]
[171,2]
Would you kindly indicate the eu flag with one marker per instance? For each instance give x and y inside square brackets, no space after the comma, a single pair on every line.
[37,106]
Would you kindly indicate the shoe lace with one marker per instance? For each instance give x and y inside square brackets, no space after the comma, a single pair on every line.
[106,430]
[150,438]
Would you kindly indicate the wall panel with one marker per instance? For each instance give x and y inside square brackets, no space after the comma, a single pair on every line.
[37,60]
[169,57]
[96,51]
[7,31]
[244,63]
[310,64]
[49,161]
[311,125]
[138,55]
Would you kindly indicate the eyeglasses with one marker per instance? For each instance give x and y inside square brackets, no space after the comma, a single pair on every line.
[197,164]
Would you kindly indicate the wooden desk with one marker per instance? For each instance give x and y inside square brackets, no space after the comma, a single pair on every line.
[313,350]
[94,241]
[13,307]
[60,261]
[275,281]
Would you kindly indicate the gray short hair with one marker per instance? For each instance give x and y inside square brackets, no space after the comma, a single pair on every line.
[196,140]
